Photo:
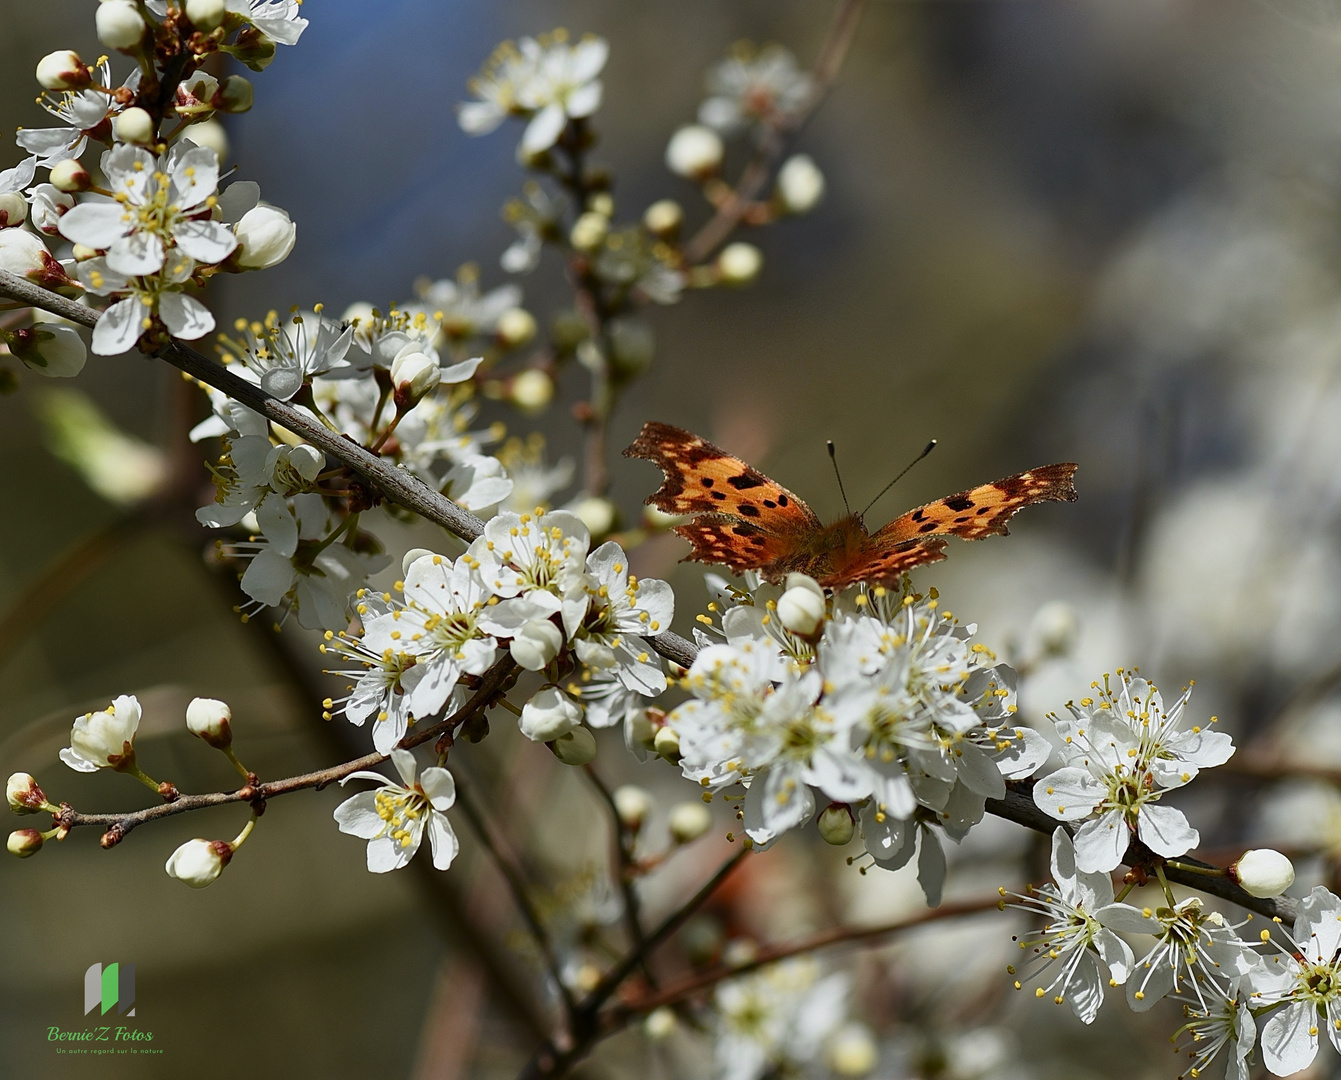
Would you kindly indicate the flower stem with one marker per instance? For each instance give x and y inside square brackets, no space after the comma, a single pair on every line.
[246,832]
[231,756]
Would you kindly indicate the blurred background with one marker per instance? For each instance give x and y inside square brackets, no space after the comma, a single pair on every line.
[1093,232]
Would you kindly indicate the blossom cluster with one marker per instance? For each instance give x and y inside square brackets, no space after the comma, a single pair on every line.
[881,704]
[148,224]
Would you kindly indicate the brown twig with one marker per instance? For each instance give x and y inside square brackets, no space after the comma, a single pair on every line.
[624,870]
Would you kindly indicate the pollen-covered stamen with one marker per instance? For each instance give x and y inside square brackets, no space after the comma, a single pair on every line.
[402,811]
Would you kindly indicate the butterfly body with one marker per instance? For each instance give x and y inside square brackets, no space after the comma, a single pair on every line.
[746,521]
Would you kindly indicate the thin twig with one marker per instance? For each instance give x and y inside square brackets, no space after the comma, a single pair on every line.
[776,137]
[397,485]
[771,954]
[623,869]
[122,823]
[516,882]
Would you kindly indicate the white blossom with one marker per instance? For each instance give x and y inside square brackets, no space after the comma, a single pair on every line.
[394,818]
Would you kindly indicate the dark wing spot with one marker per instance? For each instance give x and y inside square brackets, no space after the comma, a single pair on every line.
[745,480]
[707,481]
[758,541]
[918,515]
[719,494]
[928,527]
[959,502]
[745,530]
[961,520]
[748,509]
[982,509]
[770,504]
[782,500]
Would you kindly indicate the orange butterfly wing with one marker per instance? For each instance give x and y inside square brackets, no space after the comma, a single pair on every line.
[745,520]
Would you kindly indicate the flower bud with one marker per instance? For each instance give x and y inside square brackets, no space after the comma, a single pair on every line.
[536,644]
[254,49]
[801,606]
[852,1050]
[659,1023]
[265,236]
[211,135]
[602,203]
[104,739]
[632,804]
[549,714]
[52,349]
[835,824]
[120,24]
[632,344]
[597,514]
[63,70]
[13,209]
[663,218]
[1262,872]
[210,720]
[689,821]
[531,390]
[206,14]
[739,263]
[23,794]
[515,328]
[589,231]
[694,151]
[413,374]
[658,520]
[24,254]
[134,126]
[578,747]
[235,95]
[199,862]
[24,842]
[70,175]
[800,184]
[667,744]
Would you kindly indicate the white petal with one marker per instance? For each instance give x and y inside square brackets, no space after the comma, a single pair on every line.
[268,578]
[439,786]
[931,866]
[277,523]
[139,253]
[406,766]
[1068,794]
[119,327]
[443,840]
[205,241]
[544,129]
[1101,843]
[184,316]
[1165,831]
[1287,1046]
[358,816]
[95,224]
[386,854]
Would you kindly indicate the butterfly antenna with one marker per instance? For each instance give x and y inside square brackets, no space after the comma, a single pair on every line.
[833,456]
[925,451]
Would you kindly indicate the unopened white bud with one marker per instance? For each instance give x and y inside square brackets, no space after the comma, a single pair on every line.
[659,1023]
[211,135]
[632,804]
[694,151]
[413,374]
[667,744]
[24,254]
[536,644]
[531,390]
[801,606]
[689,821]
[589,231]
[597,514]
[602,203]
[24,842]
[82,252]
[63,70]
[104,739]
[852,1050]
[663,218]
[52,349]
[359,313]
[69,175]
[199,862]
[120,24]
[515,328]
[1262,872]
[739,263]
[835,824]
[211,720]
[13,209]
[657,519]
[265,236]
[800,184]
[206,14]
[577,747]
[549,714]
[23,794]
[134,125]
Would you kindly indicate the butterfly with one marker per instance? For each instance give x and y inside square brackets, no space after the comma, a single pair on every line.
[749,522]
